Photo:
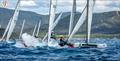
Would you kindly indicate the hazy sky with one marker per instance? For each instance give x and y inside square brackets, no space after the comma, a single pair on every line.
[42,6]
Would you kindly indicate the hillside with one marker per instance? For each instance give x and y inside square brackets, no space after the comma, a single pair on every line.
[103,23]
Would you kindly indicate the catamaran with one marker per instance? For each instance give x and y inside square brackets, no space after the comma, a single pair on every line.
[86,15]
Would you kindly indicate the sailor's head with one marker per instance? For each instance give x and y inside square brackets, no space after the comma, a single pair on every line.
[61,37]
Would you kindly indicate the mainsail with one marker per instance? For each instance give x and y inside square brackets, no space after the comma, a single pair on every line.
[13,21]
[22,29]
[52,17]
[90,4]
[72,16]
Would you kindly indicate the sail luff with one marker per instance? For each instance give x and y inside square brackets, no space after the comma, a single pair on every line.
[22,28]
[13,21]
[52,17]
[72,16]
[38,28]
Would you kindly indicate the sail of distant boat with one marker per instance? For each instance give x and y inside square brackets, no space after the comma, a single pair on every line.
[72,16]
[34,30]
[22,29]
[6,30]
[13,21]
[5,3]
[52,17]
[38,29]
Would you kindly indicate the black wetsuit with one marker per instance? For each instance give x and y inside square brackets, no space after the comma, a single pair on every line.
[62,42]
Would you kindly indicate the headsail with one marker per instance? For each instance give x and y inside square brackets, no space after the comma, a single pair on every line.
[79,23]
[72,16]
[22,29]
[52,17]
[54,25]
[13,21]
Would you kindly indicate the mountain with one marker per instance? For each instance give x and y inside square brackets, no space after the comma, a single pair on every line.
[103,23]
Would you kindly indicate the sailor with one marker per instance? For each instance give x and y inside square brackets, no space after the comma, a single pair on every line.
[63,43]
[53,35]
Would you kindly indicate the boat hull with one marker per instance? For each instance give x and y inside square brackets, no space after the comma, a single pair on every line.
[90,45]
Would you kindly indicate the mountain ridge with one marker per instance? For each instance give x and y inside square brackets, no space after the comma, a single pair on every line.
[103,23]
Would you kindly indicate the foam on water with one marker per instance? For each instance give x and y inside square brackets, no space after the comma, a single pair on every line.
[31,41]
[102,45]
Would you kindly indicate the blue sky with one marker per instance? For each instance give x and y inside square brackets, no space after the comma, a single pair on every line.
[42,6]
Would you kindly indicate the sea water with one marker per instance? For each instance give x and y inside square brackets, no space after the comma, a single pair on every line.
[110,53]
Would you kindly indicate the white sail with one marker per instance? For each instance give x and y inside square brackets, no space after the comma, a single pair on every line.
[38,28]
[6,30]
[79,23]
[54,25]
[52,17]
[22,29]
[33,34]
[13,21]
[72,17]
[90,14]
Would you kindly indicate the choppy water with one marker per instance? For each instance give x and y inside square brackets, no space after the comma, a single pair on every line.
[111,53]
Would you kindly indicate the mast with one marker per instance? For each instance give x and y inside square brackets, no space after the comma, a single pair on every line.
[52,17]
[13,21]
[22,29]
[38,28]
[87,13]
[72,16]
